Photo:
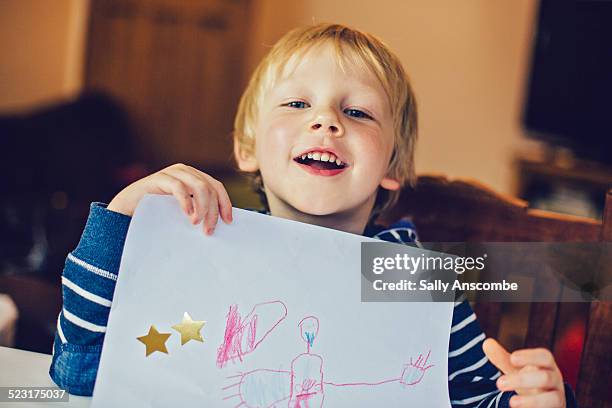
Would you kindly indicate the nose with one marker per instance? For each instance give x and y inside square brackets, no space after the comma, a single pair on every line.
[327,122]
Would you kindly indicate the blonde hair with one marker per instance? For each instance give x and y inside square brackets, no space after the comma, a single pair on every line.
[352,47]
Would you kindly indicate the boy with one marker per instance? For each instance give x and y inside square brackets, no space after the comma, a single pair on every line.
[327,118]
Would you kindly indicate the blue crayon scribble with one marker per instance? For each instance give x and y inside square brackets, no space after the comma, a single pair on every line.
[310,338]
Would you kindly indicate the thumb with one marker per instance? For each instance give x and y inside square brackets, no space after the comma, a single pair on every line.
[498,355]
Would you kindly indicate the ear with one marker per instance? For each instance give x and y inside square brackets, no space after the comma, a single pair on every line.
[246,160]
[389,183]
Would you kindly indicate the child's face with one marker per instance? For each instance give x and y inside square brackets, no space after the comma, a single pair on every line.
[317,108]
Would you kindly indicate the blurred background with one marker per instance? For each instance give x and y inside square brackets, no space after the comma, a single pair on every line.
[96,94]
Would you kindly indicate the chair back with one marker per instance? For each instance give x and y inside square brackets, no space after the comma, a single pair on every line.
[458,210]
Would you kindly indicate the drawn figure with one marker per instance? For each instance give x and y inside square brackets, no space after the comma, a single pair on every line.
[413,372]
[303,386]
[307,370]
[243,336]
[309,328]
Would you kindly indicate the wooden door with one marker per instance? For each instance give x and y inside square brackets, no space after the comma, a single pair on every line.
[176,66]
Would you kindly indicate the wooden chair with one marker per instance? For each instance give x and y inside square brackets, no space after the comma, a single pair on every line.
[466,211]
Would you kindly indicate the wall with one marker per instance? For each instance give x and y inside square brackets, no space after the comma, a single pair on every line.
[467,61]
[41,49]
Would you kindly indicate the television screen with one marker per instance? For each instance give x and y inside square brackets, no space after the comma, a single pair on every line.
[569,97]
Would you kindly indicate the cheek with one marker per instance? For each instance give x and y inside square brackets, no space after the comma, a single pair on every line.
[375,151]
[277,136]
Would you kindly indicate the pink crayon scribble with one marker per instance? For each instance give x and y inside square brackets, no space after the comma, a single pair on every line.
[303,386]
[360,384]
[307,370]
[235,343]
[413,372]
[306,381]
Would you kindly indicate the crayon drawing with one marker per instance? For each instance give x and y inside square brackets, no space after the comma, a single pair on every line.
[304,385]
[242,336]
[285,320]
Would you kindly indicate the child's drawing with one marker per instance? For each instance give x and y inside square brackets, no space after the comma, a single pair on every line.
[306,386]
[242,336]
[303,386]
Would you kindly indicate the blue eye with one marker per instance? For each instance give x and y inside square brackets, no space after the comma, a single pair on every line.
[356,113]
[296,104]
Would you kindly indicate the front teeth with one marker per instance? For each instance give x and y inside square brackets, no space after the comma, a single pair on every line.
[325,157]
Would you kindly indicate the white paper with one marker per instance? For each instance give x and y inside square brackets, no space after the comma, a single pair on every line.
[270,274]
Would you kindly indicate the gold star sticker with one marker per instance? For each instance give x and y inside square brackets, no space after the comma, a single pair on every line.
[155,341]
[189,329]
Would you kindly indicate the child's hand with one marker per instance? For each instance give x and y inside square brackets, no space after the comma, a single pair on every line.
[200,196]
[532,373]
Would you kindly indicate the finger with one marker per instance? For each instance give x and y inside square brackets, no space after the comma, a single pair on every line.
[542,379]
[202,196]
[498,355]
[171,185]
[552,399]
[225,204]
[212,215]
[207,194]
[540,357]
[198,186]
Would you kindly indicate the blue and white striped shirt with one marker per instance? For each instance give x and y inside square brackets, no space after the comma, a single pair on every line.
[89,278]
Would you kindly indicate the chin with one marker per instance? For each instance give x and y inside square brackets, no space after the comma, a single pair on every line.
[317,207]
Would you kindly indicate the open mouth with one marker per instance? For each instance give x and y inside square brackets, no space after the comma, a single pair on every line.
[321,161]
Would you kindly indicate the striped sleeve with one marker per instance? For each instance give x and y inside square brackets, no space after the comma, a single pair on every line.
[88,283]
[471,376]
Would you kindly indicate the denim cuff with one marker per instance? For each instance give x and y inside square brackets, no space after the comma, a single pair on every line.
[74,367]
